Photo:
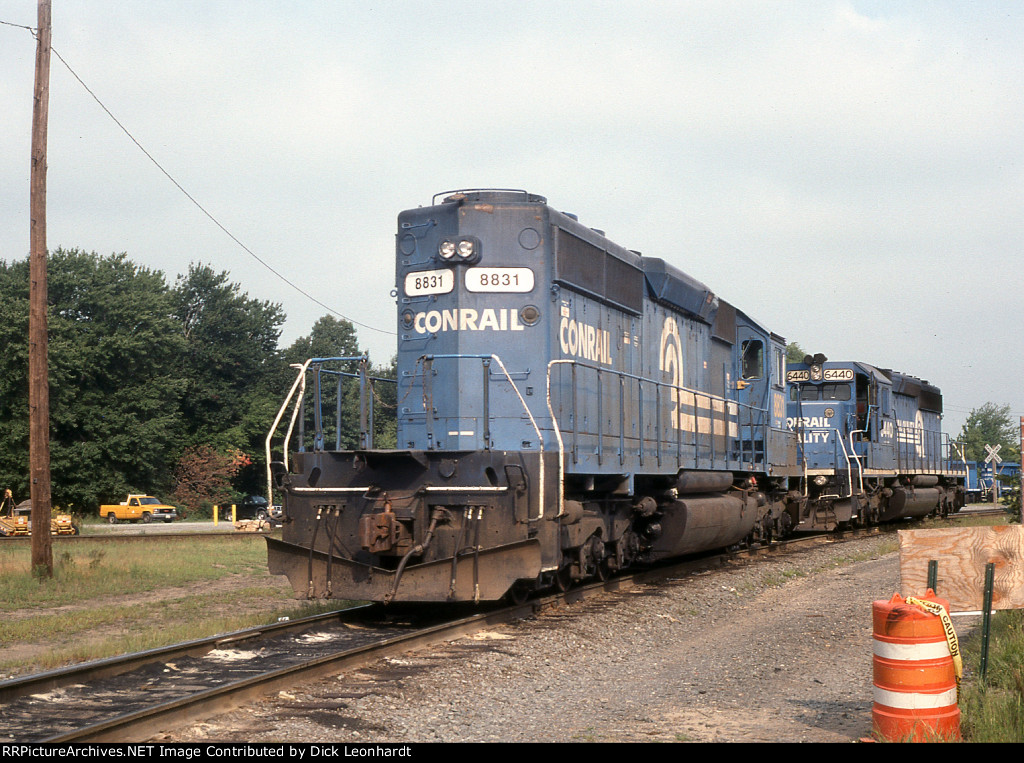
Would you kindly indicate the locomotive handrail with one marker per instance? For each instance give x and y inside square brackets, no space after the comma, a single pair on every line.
[955,446]
[700,399]
[838,439]
[846,456]
[857,458]
[558,431]
[300,379]
[300,385]
[487,414]
[915,447]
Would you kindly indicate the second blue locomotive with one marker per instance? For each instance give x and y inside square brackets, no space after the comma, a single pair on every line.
[567,408]
[871,444]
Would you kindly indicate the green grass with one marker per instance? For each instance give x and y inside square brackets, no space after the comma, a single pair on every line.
[73,639]
[992,710]
[962,520]
[96,604]
[85,571]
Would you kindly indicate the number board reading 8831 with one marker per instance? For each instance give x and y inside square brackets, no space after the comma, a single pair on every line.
[426,282]
[515,280]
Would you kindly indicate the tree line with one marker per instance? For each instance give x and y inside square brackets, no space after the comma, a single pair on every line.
[154,388]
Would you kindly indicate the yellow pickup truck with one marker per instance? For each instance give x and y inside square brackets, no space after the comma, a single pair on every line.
[138,508]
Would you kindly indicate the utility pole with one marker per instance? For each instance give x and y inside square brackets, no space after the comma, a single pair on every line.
[38,344]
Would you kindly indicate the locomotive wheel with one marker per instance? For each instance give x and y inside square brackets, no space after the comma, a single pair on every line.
[599,555]
[563,578]
[519,592]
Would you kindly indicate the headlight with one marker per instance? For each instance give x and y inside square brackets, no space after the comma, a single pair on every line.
[446,249]
[466,249]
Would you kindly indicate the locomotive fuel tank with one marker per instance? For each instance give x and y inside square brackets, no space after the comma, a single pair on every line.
[695,523]
[911,502]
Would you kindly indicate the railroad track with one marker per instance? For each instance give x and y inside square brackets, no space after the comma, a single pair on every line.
[137,696]
[989,511]
[140,536]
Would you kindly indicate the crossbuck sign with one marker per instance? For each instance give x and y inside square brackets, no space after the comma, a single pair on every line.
[993,454]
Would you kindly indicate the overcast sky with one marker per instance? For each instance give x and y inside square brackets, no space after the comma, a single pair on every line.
[848,173]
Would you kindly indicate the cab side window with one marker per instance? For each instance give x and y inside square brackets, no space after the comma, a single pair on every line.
[753,359]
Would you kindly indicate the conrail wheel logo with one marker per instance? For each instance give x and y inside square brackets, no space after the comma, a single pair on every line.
[671,362]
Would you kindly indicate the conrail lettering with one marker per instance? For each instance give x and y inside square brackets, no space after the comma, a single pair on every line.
[807,421]
[585,341]
[809,438]
[467,319]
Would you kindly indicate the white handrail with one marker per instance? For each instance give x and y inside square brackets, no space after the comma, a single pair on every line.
[299,379]
[540,439]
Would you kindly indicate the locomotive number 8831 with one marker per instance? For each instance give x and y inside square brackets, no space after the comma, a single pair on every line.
[568,408]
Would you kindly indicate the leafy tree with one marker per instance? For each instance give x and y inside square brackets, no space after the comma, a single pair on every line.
[385,406]
[203,476]
[331,338]
[990,424]
[231,363]
[1012,495]
[115,388]
[795,353]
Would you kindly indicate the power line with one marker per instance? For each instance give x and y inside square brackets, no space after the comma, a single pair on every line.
[191,198]
[20,26]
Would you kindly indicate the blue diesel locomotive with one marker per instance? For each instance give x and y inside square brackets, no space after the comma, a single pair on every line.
[872,444]
[566,408]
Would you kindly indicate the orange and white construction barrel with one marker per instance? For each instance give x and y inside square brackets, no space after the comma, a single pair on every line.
[915,675]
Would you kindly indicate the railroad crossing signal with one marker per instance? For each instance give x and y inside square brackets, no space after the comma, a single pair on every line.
[993,454]
[993,458]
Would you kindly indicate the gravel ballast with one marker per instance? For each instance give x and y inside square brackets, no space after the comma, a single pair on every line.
[777,650]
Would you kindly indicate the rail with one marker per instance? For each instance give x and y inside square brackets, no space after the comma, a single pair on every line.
[929,454]
[951,447]
[919,449]
[700,429]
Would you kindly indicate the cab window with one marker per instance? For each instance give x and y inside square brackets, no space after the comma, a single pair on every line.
[780,368]
[753,359]
[835,391]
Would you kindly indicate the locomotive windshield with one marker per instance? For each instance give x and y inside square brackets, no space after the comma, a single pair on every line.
[820,392]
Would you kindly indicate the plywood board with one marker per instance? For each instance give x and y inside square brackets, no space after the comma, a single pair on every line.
[962,553]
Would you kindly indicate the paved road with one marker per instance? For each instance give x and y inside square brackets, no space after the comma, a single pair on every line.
[158,528]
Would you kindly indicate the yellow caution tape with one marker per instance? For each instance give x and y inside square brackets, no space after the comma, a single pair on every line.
[947,626]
